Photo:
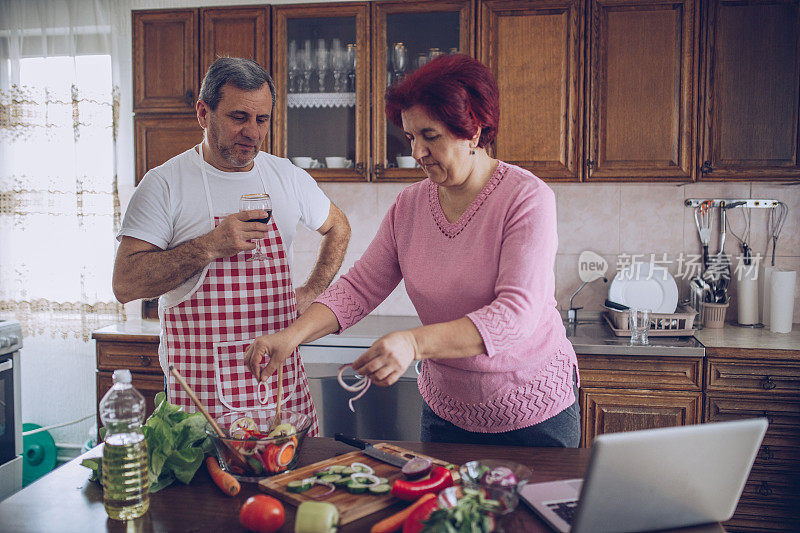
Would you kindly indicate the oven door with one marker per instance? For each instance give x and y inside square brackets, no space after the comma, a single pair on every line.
[7,422]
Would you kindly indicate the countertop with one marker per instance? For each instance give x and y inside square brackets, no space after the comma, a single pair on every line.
[588,337]
[65,500]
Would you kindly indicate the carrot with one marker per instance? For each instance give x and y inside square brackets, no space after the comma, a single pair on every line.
[395,522]
[226,482]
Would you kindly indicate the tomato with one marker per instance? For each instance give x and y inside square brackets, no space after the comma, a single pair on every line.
[262,514]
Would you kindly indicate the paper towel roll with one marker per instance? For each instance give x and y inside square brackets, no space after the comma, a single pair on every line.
[782,284]
[747,293]
[765,292]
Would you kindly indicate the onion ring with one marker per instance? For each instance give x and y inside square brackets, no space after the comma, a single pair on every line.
[330,490]
[366,468]
[361,386]
[369,477]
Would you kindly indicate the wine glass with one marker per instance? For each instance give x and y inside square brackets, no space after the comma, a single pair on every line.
[351,65]
[322,60]
[248,202]
[399,60]
[293,66]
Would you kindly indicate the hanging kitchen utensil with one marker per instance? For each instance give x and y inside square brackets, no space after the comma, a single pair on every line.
[718,273]
[702,219]
[745,238]
[777,216]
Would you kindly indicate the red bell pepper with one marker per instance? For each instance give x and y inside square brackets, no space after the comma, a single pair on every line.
[414,522]
[440,478]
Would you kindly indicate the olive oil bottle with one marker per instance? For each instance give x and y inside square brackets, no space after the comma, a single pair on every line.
[126,487]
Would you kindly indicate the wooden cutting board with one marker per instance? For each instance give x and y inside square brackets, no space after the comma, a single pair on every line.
[351,506]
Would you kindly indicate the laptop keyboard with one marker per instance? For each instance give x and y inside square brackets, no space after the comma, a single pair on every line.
[565,510]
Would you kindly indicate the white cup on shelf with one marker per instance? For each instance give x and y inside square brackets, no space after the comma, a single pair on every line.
[338,162]
[306,162]
[406,161]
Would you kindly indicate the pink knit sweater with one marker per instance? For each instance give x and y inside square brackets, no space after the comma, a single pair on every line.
[494,265]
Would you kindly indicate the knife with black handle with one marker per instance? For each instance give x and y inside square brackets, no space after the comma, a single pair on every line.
[372,451]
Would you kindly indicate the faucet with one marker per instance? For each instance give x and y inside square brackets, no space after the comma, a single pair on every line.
[572,314]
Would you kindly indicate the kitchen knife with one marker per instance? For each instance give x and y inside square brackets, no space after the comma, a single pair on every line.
[372,451]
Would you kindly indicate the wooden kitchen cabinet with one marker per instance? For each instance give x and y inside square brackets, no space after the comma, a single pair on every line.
[325,119]
[166,85]
[116,347]
[751,89]
[422,27]
[631,393]
[535,50]
[753,383]
[641,90]
[164,60]
[158,138]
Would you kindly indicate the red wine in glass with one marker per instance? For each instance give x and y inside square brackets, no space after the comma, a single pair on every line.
[262,202]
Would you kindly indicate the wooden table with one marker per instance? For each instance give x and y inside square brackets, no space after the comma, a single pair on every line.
[65,500]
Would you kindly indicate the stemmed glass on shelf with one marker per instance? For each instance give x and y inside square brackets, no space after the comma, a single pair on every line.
[322,63]
[249,202]
[399,60]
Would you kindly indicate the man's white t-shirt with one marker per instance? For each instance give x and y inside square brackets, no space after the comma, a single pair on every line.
[169,205]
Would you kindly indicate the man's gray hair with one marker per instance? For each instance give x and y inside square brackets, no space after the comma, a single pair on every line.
[244,74]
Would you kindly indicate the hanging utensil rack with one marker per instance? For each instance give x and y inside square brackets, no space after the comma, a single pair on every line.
[732,202]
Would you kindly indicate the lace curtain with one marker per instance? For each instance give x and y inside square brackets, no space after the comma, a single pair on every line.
[59,207]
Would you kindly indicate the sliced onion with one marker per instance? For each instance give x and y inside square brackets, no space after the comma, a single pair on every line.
[366,469]
[417,467]
[331,489]
[280,454]
[369,477]
[501,476]
[361,386]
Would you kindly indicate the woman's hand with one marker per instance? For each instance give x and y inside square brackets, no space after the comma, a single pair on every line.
[388,358]
[276,347]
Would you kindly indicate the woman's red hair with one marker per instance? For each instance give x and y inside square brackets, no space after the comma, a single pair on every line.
[457,90]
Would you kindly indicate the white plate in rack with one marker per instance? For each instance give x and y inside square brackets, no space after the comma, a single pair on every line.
[645,286]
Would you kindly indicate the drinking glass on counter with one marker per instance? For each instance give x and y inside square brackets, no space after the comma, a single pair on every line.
[248,202]
[639,323]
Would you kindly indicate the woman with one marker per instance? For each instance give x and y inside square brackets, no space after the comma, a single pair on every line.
[476,245]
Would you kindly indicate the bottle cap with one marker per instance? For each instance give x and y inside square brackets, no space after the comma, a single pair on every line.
[123,375]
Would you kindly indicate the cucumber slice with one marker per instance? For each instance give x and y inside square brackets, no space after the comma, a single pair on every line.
[383,481]
[336,469]
[342,481]
[356,488]
[298,485]
[330,478]
[383,488]
[346,471]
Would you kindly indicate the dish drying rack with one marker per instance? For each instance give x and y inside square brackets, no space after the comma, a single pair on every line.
[678,324]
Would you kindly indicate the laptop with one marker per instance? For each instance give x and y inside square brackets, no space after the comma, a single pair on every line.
[654,479]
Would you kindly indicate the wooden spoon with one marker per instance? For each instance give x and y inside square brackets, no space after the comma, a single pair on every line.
[218,430]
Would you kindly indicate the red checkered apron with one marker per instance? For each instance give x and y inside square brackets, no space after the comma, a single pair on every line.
[207,333]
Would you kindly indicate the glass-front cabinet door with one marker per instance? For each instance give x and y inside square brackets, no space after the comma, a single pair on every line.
[406,36]
[321,116]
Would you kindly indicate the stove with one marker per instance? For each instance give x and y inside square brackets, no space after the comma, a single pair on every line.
[10,408]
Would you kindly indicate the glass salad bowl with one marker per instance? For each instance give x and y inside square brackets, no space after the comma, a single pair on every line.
[251,451]
[501,480]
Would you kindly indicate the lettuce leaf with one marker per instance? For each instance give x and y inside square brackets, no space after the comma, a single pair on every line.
[177,444]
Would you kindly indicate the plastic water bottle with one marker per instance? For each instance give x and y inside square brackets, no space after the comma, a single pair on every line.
[126,487]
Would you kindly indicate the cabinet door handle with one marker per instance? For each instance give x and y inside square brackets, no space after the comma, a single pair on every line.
[360,169]
[768,417]
[764,489]
[145,360]
[589,164]
[378,170]
[767,383]
[188,97]
[767,453]
[707,168]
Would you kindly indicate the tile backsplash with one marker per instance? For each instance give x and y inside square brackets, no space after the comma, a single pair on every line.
[617,221]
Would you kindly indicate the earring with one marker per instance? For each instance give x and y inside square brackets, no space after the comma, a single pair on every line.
[472,152]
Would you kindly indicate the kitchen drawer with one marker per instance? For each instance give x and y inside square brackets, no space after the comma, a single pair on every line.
[136,356]
[782,458]
[783,416]
[771,488]
[770,377]
[755,515]
[666,373]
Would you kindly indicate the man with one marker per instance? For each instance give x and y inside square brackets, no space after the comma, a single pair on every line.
[184,239]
